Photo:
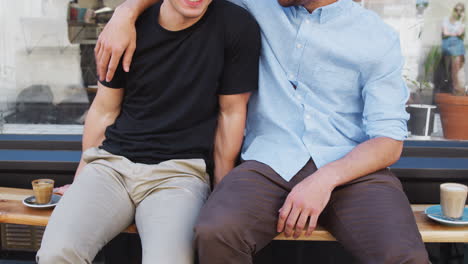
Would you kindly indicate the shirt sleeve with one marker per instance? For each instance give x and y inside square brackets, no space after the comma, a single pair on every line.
[446,26]
[242,51]
[119,80]
[385,95]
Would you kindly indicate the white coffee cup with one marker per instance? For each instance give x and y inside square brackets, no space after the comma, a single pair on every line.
[453,199]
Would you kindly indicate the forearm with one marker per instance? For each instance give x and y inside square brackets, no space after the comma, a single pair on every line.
[133,8]
[368,157]
[93,135]
[450,35]
[446,33]
[228,142]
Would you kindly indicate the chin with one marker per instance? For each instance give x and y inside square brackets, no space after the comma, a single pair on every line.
[193,9]
[191,14]
[288,3]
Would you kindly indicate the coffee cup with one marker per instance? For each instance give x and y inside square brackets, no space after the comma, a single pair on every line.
[453,199]
[43,189]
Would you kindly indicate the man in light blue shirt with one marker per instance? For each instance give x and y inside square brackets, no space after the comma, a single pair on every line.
[327,121]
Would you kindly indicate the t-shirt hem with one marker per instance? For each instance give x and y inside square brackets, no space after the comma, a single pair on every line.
[155,161]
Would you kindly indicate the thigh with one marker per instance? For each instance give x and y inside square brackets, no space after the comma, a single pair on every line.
[94,210]
[244,206]
[165,220]
[372,218]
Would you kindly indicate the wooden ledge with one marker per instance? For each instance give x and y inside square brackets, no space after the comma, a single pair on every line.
[12,211]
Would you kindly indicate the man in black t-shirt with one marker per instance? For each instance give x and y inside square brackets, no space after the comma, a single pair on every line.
[148,137]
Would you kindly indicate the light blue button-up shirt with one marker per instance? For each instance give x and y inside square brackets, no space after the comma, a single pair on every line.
[329,80]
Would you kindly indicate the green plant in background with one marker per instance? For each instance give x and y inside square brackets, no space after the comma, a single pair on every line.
[424,82]
[418,95]
[421,85]
[432,61]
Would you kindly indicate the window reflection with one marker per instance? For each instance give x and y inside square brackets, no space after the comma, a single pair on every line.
[47,70]
[433,42]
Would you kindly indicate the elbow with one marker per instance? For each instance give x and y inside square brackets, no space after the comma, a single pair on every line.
[390,150]
[97,116]
[110,116]
[234,104]
[396,152]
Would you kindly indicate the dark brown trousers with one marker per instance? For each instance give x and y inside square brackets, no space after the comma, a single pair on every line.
[371,217]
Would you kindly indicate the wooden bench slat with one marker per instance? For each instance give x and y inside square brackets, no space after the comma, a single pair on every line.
[12,211]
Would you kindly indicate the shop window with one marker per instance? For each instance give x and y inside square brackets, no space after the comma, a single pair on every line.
[47,68]
[433,41]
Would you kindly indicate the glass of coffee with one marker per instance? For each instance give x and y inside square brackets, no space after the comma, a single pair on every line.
[453,199]
[43,189]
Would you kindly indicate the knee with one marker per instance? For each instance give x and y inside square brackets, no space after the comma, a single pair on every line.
[414,256]
[419,256]
[217,229]
[207,230]
[409,255]
[59,253]
[50,256]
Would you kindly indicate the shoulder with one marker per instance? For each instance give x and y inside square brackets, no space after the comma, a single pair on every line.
[446,22]
[374,24]
[234,16]
[375,31]
[148,15]
[243,3]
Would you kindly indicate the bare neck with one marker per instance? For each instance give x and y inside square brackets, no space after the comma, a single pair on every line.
[314,4]
[170,19]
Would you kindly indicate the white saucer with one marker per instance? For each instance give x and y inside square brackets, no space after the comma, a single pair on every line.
[435,213]
[31,202]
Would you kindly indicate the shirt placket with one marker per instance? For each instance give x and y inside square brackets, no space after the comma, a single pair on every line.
[298,57]
[298,49]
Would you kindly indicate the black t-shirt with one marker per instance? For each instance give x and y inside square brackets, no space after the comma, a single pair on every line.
[170,105]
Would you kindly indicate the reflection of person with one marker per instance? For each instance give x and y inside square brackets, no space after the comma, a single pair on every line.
[328,119]
[421,5]
[149,134]
[453,47]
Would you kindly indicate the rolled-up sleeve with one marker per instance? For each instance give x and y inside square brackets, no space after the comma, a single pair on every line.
[385,95]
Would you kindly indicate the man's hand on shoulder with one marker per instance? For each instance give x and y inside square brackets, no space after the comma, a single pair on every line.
[118,38]
[304,204]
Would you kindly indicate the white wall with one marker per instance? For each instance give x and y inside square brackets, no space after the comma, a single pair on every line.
[34,49]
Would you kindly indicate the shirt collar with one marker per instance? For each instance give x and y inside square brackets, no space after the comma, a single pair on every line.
[331,11]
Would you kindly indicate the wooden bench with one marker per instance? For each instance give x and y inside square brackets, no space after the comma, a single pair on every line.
[12,211]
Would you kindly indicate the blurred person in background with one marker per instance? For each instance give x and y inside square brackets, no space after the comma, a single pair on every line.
[453,47]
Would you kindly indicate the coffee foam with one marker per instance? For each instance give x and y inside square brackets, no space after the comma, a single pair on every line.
[454,187]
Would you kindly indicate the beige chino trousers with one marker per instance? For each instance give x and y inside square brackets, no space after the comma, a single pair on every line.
[111,191]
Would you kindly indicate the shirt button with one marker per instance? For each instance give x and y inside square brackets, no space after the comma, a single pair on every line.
[307,117]
[299,46]
[291,76]
[307,21]
[299,97]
